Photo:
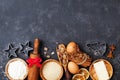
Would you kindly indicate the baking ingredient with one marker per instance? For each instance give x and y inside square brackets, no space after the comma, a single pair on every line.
[84,72]
[81,59]
[78,77]
[45,53]
[17,70]
[76,55]
[73,67]
[72,48]
[52,53]
[108,66]
[48,56]
[45,49]
[52,70]
[110,54]
[111,49]
[101,70]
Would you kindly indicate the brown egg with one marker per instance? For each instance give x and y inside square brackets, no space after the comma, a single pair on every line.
[72,47]
[73,67]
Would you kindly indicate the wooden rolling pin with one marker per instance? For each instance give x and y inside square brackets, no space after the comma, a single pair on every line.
[33,73]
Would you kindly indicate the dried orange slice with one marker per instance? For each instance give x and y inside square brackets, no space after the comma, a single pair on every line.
[84,72]
[78,77]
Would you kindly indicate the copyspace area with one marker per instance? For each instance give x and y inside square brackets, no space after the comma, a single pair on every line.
[60,21]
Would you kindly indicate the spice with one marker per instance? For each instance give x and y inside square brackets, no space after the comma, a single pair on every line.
[45,49]
[110,54]
[111,49]
[45,53]
[52,53]
[48,56]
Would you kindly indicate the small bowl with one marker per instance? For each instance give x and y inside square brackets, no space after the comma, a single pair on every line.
[84,72]
[109,68]
[78,77]
[12,60]
[44,67]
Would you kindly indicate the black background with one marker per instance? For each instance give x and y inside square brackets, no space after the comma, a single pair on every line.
[60,21]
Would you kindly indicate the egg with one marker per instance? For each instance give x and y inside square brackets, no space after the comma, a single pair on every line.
[72,47]
[73,68]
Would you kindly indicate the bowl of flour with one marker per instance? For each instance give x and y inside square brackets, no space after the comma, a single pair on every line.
[51,70]
[16,69]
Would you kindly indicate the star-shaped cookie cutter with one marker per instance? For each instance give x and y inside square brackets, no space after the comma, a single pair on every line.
[25,48]
[11,51]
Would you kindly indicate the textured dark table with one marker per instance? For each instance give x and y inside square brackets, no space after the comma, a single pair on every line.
[60,21]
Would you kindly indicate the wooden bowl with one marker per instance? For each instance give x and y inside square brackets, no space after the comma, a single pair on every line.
[109,68]
[49,70]
[78,77]
[7,66]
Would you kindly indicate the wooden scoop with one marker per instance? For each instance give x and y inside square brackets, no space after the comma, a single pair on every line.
[63,59]
[33,73]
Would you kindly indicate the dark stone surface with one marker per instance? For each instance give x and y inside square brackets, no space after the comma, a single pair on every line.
[60,21]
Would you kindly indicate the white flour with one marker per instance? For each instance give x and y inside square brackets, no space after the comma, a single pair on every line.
[52,71]
[17,69]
